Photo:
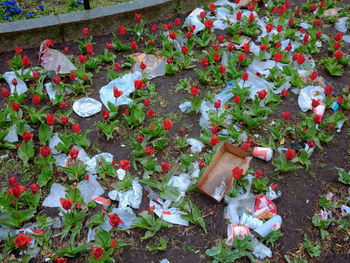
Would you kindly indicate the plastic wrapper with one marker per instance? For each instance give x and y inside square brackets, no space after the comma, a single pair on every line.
[260,250]
[186,107]
[155,64]
[89,188]
[196,170]
[171,215]
[272,195]
[309,93]
[50,59]
[93,162]
[60,159]
[297,146]
[125,84]
[264,208]
[196,146]
[21,86]
[57,224]
[345,210]
[234,231]
[339,126]
[12,134]
[6,231]
[54,141]
[164,261]
[272,224]
[57,191]
[237,206]
[126,215]
[182,182]
[86,107]
[341,24]
[91,235]
[193,19]
[132,197]
[346,38]
[52,90]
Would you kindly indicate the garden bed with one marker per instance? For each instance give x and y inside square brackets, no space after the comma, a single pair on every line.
[302,189]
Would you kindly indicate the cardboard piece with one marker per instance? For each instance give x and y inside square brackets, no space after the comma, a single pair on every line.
[217,178]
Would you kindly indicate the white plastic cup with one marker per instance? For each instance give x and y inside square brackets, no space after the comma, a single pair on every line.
[263,153]
[270,225]
[319,110]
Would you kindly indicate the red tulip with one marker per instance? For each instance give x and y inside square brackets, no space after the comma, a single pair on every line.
[124,164]
[74,154]
[237,173]
[66,204]
[22,240]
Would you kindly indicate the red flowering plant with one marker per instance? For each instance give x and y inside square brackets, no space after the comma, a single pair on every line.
[149,222]
[73,214]
[138,30]
[205,36]
[282,165]
[87,44]
[260,184]
[196,100]
[104,246]
[18,203]
[117,42]
[76,168]
[249,25]
[46,162]
[239,180]
[26,150]
[107,56]
[108,126]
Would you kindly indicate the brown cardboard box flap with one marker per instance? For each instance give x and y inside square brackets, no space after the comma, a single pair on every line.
[217,178]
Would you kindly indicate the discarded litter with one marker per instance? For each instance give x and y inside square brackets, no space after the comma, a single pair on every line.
[270,225]
[155,65]
[126,214]
[196,146]
[217,179]
[132,197]
[171,215]
[263,153]
[57,191]
[93,162]
[90,188]
[50,59]
[52,90]
[193,19]
[86,107]
[20,88]
[124,84]
[234,231]
[308,94]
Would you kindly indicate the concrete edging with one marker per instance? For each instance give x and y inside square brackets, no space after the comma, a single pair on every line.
[101,21]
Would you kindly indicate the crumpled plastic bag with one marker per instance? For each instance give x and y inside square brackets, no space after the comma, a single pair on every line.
[186,107]
[57,191]
[90,188]
[50,59]
[182,182]
[260,250]
[346,38]
[12,134]
[21,86]
[155,64]
[238,205]
[125,84]
[126,214]
[171,215]
[309,93]
[54,141]
[86,107]
[193,19]
[341,24]
[5,231]
[52,90]
[93,162]
[132,197]
[196,145]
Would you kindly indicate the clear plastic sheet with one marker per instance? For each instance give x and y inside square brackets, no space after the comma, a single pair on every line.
[50,59]
[21,86]
[125,84]
[12,134]
[126,214]
[309,93]
[57,191]
[171,215]
[341,25]
[86,107]
[155,64]
[89,188]
[93,162]
[196,146]
[193,19]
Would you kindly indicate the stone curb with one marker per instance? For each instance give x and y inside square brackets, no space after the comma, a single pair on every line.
[101,21]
